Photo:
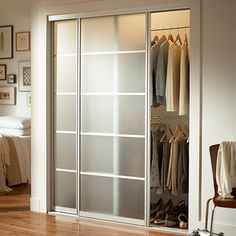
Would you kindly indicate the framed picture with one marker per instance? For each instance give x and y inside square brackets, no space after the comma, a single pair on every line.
[24,76]
[7,95]
[6,42]
[11,79]
[3,72]
[29,99]
[23,41]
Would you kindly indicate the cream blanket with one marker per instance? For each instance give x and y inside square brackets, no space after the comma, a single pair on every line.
[4,162]
[226,168]
[22,144]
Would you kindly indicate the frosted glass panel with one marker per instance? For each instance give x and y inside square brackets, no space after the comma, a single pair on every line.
[66,113]
[97,154]
[131,115]
[66,74]
[98,34]
[97,114]
[97,73]
[65,36]
[131,153]
[131,198]
[96,194]
[131,73]
[120,156]
[65,151]
[131,32]
[106,69]
[65,190]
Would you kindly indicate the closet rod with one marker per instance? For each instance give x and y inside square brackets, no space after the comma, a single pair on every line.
[170,117]
[171,28]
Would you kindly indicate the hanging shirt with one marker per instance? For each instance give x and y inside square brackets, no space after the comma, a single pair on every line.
[154,52]
[182,181]
[156,158]
[165,165]
[161,73]
[184,81]
[226,168]
[172,78]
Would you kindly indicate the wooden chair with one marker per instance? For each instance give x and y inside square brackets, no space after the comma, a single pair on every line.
[217,200]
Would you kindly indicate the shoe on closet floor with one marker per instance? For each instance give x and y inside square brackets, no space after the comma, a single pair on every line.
[155,209]
[180,208]
[161,214]
[183,221]
[171,220]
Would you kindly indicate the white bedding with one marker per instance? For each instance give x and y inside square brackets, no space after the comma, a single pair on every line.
[14,122]
[15,132]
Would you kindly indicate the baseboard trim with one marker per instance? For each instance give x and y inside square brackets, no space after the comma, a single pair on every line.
[35,204]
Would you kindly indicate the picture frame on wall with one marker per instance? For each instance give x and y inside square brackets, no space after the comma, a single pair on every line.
[24,77]
[23,41]
[6,42]
[7,95]
[3,72]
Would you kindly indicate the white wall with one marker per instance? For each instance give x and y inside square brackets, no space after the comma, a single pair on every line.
[18,14]
[218,91]
[219,96]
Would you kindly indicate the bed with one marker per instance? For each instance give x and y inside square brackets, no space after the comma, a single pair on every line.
[15,143]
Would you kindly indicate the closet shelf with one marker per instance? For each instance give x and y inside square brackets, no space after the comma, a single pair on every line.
[112,135]
[112,52]
[171,28]
[111,175]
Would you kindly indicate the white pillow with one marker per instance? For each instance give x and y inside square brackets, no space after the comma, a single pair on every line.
[14,122]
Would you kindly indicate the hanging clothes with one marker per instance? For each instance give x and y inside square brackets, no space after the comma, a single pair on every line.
[156,158]
[165,165]
[184,81]
[172,78]
[183,166]
[154,53]
[161,73]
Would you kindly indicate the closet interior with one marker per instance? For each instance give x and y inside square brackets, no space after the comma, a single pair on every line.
[169,100]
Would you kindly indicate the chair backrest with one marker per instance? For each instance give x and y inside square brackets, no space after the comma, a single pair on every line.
[213,154]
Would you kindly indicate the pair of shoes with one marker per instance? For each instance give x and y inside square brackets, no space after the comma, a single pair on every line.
[183,221]
[162,213]
[171,220]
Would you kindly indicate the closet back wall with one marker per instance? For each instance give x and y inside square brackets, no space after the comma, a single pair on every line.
[18,14]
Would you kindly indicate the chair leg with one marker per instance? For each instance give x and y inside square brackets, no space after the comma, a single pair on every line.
[212,218]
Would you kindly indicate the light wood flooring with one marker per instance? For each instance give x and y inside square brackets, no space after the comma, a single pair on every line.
[17,220]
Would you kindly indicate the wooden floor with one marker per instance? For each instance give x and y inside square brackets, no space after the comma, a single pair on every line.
[17,220]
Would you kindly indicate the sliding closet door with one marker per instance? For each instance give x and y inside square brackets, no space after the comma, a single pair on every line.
[112,135]
[65,118]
